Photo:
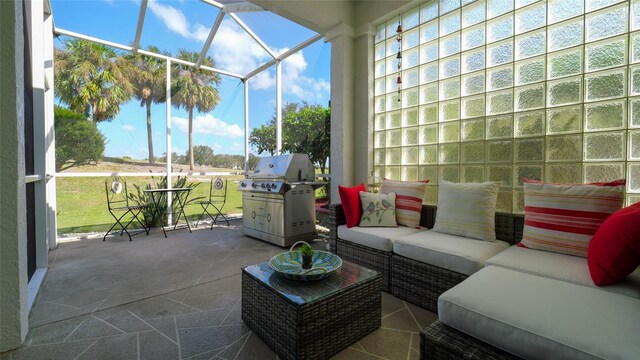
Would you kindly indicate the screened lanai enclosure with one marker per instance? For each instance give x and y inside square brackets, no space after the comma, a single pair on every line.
[444,90]
[186,84]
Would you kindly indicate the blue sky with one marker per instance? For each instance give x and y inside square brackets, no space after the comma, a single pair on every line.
[175,24]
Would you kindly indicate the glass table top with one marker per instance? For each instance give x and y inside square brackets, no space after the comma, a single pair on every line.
[304,292]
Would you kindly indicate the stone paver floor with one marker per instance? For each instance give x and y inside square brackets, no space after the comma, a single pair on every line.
[174,298]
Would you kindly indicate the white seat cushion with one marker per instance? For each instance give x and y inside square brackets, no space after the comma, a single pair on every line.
[380,238]
[451,252]
[559,266]
[540,318]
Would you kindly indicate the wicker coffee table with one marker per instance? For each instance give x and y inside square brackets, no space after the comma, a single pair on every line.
[311,320]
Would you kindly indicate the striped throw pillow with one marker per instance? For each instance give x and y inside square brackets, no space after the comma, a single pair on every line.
[467,209]
[409,195]
[563,218]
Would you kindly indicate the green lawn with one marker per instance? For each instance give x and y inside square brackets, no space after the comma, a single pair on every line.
[82,206]
[82,202]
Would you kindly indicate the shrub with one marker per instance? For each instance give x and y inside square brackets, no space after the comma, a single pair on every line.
[155,213]
[78,140]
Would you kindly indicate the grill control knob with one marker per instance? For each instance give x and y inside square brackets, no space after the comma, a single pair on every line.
[254,185]
[263,185]
[243,184]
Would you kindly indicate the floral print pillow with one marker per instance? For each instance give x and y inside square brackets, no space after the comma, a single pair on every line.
[378,209]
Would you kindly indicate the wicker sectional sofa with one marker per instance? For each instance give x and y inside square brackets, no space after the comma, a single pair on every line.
[536,305]
[521,303]
[416,281]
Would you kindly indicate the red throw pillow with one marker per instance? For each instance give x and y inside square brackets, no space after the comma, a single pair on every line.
[350,198]
[614,251]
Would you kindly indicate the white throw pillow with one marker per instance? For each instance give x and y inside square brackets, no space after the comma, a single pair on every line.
[467,209]
[378,209]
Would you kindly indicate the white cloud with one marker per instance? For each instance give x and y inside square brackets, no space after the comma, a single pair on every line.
[244,59]
[294,81]
[234,50]
[234,148]
[128,128]
[262,81]
[177,22]
[210,125]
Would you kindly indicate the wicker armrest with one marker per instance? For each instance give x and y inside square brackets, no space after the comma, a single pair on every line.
[336,218]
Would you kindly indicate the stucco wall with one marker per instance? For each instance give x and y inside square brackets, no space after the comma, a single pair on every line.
[13,260]
[363,105]
[369,11]
[342,107]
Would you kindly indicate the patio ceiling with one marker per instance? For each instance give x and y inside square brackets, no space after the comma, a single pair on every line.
[322,16]
[235,13]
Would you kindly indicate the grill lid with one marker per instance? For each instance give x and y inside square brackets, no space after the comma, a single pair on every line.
[290,167]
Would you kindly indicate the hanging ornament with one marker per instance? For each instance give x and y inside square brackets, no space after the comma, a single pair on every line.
[399,58]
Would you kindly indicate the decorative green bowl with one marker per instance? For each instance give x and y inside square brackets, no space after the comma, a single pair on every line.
[289,265]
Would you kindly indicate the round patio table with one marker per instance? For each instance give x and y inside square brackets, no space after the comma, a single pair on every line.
[156,196]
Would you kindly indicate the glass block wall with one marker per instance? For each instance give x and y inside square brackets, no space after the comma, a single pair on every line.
[499,90]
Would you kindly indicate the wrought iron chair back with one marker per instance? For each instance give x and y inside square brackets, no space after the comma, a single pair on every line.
[217,200]
[117,194]
[118,205]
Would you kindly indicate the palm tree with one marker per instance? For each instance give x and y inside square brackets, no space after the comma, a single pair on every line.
[90,78]
[194,88]
[148,77]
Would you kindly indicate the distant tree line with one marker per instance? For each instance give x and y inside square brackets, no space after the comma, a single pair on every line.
[204,156]
[79,142]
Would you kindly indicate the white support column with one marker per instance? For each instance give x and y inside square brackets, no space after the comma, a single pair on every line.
[246,126]
[342,108]
[363,102]
[50,136]
[278,107]
[36,30]
[168,104]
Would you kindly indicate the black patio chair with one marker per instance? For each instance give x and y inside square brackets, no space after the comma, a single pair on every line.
[119,207]
[217,199]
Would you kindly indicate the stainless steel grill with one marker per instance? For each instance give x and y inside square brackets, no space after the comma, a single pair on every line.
[278,199]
